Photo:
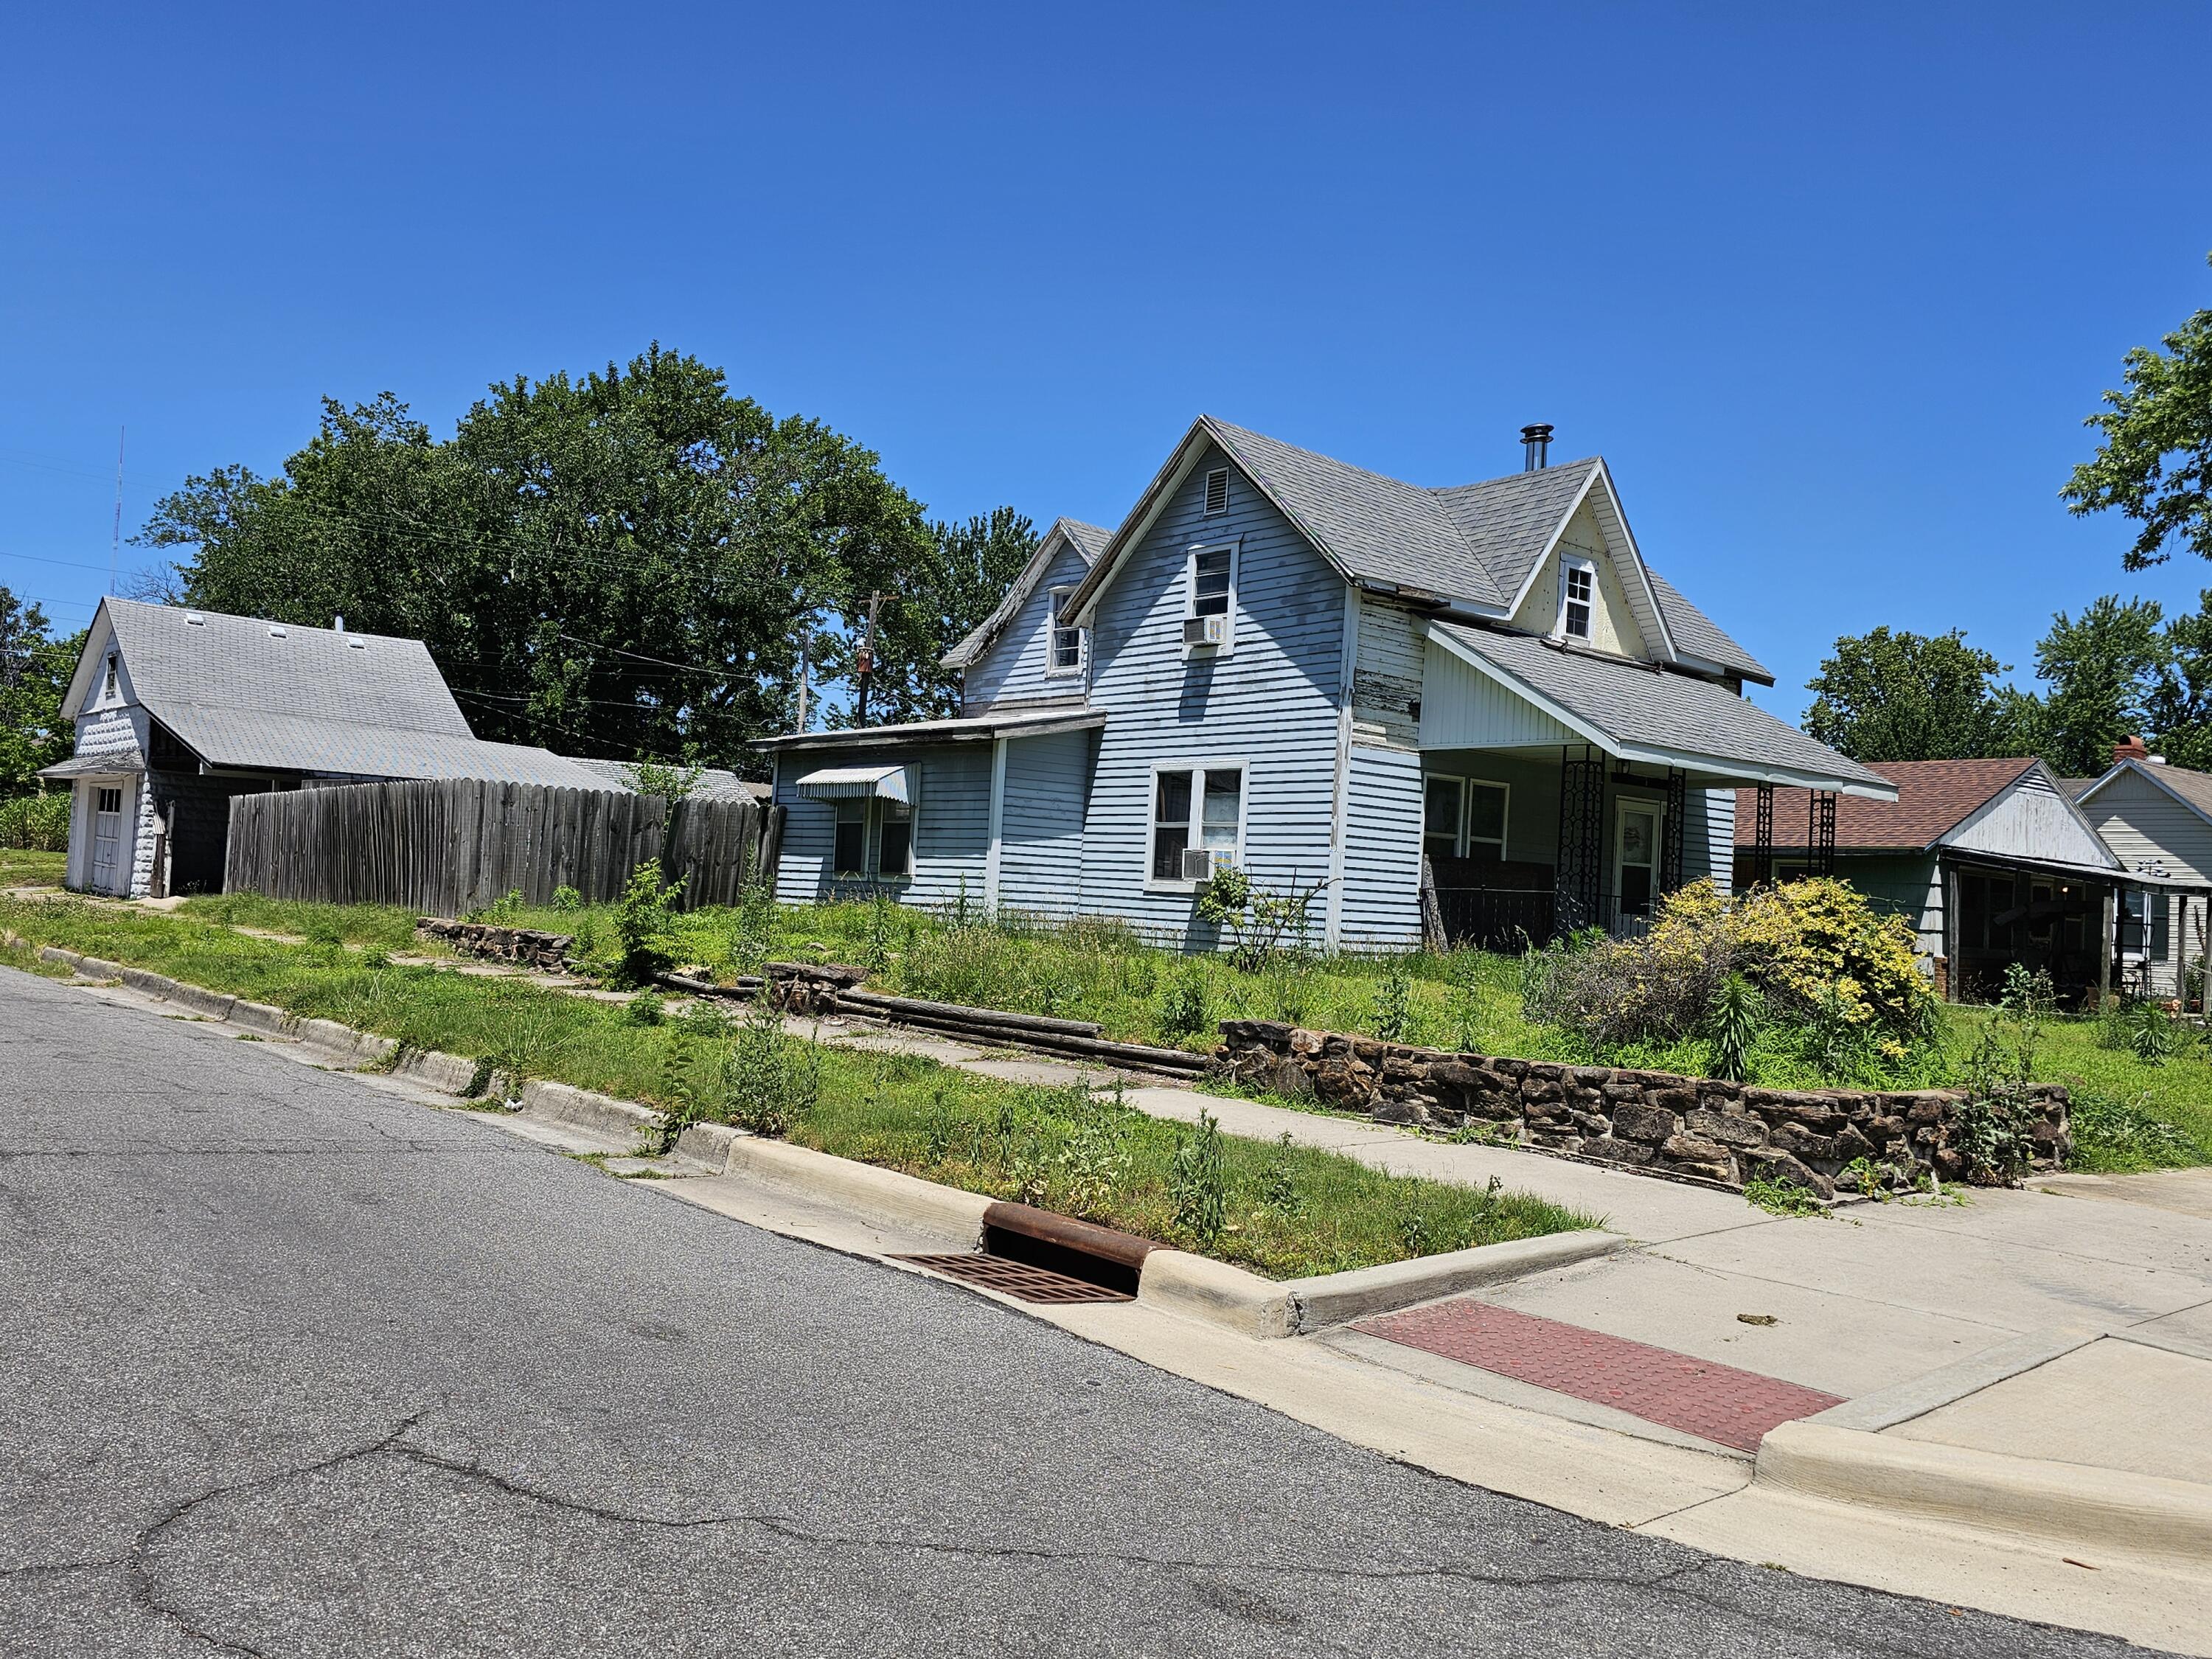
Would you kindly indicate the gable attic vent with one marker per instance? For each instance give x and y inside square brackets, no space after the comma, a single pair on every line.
[1217,491]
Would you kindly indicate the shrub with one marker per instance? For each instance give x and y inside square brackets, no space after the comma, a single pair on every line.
[1813,950]
[1197,1183]
[771,1079]
[1263,923]
[1734,1026]
[644,918]
[36,823]
[1185,1009]
[1394,1001]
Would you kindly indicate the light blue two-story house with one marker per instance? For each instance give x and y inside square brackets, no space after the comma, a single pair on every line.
[1473,713]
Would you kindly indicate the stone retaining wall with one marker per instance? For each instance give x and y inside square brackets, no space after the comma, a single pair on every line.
[1727,1133]
[524,944]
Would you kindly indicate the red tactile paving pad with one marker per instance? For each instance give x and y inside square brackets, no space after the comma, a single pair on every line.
[1713,1402]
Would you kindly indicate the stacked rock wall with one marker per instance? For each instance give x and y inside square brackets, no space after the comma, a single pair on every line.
[524,944]
[1701,1128]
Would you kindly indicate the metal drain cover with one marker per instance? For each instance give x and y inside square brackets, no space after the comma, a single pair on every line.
[1016,1278]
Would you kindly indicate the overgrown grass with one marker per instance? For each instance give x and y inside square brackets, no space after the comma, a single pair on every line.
[375,927]
[1290,1211]
[24,867]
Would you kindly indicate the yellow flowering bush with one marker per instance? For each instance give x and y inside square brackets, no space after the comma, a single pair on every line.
[1815,949]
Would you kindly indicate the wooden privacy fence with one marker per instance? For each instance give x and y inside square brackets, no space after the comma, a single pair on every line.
[443,847]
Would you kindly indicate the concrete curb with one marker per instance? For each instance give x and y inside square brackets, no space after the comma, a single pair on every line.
[1340,1298]
[1917,1396]
[1243,1302]
[1194,1285]
[2072,1504]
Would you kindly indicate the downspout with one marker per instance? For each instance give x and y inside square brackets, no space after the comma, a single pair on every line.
[997,819]
[1340,797]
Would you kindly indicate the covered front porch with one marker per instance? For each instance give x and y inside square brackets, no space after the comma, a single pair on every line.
[1565,789]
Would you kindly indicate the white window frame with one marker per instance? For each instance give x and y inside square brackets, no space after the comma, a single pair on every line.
[1234,548]
[1053,629]
[1462,836]
[1195,827]
[871,816]
[1570,563]
[1459,822]
[1623,807]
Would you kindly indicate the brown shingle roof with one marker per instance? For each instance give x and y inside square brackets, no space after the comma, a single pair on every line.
[1933,798]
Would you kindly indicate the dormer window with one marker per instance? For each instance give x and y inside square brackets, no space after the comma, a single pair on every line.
[1577,595]
[1064,643]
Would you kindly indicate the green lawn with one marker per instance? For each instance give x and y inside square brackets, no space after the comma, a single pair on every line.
[20,868]
[1290,1211]
[2136,1115]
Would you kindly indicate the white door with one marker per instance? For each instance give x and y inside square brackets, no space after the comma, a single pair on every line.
[1635,861]
[108,840]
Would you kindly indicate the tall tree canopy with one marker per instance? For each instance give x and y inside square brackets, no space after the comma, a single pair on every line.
[1898,696]
[34,676]
[617,565]
[2154,464]
[969,567]
[2120,669]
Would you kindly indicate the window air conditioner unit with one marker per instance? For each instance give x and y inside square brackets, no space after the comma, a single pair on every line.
[1198,864]
[1206,630]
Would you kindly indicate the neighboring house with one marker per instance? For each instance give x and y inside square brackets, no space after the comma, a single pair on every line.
[1473,711]
[1991,860]
[178,711]
[709,783]
[2158,818]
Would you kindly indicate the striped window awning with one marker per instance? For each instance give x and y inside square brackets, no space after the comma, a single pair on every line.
[840,782]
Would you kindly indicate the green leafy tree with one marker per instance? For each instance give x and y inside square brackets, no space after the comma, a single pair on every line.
[2106,669]
[2154,464]
[1896,696]
[34,675]
[615,565]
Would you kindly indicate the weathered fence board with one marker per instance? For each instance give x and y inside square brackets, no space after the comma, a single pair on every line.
[446,846]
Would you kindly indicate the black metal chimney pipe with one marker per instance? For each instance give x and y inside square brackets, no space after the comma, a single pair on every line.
[1537,451]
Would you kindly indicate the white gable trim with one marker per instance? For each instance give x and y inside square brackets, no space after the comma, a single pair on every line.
[2149,774]
[1989,809]
[1619,544]
[972,650]
[99,641]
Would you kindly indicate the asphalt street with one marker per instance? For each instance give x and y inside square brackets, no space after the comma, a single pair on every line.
[293,1367]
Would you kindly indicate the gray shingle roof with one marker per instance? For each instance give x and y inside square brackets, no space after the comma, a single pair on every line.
[244,692]
[1698,635]
[1477,543]
[1089,540]
[1634,707]
[713,782]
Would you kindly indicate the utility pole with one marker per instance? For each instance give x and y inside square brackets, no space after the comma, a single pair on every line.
[115,535]
[865,663]
[805,644]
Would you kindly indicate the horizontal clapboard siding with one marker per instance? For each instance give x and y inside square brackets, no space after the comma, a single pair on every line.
[951,828]
[1040,823]
[1270,702]
[2149,830]
[1382,903]
[1013,668]
[1709,838]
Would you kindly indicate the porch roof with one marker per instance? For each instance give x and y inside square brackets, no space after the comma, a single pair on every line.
[114,763]
[1639,712]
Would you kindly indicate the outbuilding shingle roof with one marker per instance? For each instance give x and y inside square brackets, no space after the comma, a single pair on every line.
[246,693]
[1934,797]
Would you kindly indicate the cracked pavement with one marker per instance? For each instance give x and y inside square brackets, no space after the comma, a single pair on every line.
[296,1367]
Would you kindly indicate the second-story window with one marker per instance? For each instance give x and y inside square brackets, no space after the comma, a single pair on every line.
[1064,643]
[107,689]
[1212,570]
[1577,593]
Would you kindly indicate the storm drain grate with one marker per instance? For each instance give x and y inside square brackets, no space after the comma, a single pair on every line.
[1017,1279]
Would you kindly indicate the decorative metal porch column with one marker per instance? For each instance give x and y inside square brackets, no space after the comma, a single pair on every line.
[1762,843]
[1671,828]
[1579,884]
[1820,833]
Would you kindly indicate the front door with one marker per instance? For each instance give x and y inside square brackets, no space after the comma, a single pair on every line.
[107,839]
[1635,860]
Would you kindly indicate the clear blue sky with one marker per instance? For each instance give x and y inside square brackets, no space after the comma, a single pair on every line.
[1830,288]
